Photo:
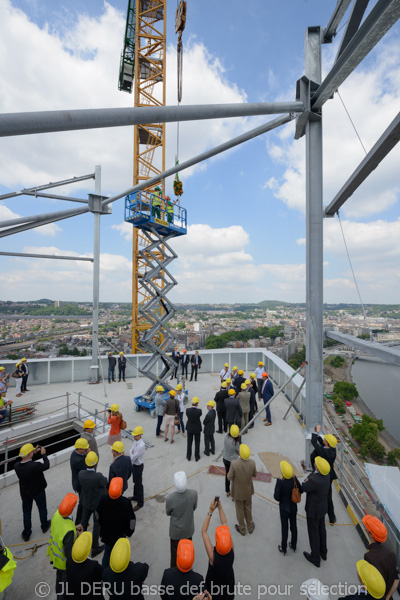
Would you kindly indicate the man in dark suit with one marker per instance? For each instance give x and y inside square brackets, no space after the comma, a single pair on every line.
[122,466]
[239,379]
[93,487]
[195,361]
[176,358]
[316,486]
[185,358]
[193,429]
[325,447]
[267,391]
[219,400]
[77,463]
[233,410]
[209,429]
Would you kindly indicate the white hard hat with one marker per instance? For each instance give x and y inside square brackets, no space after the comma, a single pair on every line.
[180,481]
[314,589]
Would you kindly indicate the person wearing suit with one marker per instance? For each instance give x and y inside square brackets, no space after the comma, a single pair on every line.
[252,388]
[325,447]
[233,410]
[267,391]
[180,506]
[241,472]
[175,355]
[239,379]
[121,366]
[244,401]
[77,463]
[287,508]
[25,368]
[93,487]
[193,429]
[372,583]
[219,400]
[121,465]
[195,361]
[380,554]
[185,358]
[316,486]
[209,429]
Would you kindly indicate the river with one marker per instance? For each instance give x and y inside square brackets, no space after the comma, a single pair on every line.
[378,384]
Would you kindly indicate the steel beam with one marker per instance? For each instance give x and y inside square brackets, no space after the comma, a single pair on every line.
[47,186]
[96,281]
[12,124]
[383,146]
[314,243]
[382,17]
[334,22]
[390,355]
[356,15]
[205,155]
[50,218]
[55,256]
[56,197]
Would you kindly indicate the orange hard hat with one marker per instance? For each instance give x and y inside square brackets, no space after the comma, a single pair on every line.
[376,528]
[115,487]
[184,352]
[223,539]
[265,374]
[185,555]
[68,504]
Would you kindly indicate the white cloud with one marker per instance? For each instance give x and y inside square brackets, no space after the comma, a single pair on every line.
[125,229]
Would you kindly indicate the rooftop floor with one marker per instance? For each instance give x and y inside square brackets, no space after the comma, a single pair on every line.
[257,560]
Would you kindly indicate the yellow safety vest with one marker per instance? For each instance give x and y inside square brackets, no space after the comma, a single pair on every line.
[1,401]
[59,529]
[170,208]
[7,572]
[156,200]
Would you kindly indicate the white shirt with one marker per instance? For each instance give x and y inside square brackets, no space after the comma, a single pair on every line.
[259,371]
[137,451]
[224,374]
[180,398]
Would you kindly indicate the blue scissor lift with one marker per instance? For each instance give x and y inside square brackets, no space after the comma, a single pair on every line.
[159,226]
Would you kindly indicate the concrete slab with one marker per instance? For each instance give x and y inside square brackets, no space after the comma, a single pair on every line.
[257,560]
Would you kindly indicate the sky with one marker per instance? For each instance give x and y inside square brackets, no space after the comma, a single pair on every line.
[246,207]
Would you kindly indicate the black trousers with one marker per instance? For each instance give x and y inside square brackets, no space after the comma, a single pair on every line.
[260,384]
[185,369]
[288,518]
[137,474]
[222,424]
[227,482]
[194,371]
[86,514]
[331,510]
[317,537]
[24,382]
[121,373]
[209,444]
[174,370]
[190,437]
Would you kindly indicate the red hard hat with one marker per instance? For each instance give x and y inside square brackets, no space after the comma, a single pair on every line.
[376,528]
[185,555]
[68,504]
[223,539]
[115,488]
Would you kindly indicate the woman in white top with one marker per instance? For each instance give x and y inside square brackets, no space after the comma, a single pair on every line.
[180,397]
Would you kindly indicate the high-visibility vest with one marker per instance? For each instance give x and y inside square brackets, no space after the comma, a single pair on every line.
[7,572]
[59,529]
[170,208]
[156,199]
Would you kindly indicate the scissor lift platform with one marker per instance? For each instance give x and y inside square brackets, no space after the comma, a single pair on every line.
[141,213]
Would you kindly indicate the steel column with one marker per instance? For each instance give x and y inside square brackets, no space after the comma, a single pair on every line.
[96,280]
[314,241]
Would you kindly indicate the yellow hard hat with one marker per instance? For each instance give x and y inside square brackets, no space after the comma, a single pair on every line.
[240,372]
[371,578]
[172,393]
[82,547]
[231,392]
[81,444]
[226,365]
[253,375]
[23,359]
[179,386]
[234,431]
[322,465]
[120,555]
[247,382]
[211,403]
[260,364]
[2,369]
[223,384]
[195,400]
[228,380]
[91,459]
[243,386]
[159,388]
[120,353]
[244,451]
[234,369]
[332,441]
[25,450]
[114,407]
[286,469]
[89,424]
[138,430]
[17,364]
[118,447]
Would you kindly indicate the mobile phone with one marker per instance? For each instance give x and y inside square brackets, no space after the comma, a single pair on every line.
[216,499]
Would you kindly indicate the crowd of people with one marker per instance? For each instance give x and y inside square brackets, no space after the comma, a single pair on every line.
[100,499]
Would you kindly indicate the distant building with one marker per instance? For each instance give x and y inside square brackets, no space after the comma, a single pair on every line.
[58,303]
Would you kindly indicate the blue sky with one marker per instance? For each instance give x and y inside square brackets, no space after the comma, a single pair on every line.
[246,207]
